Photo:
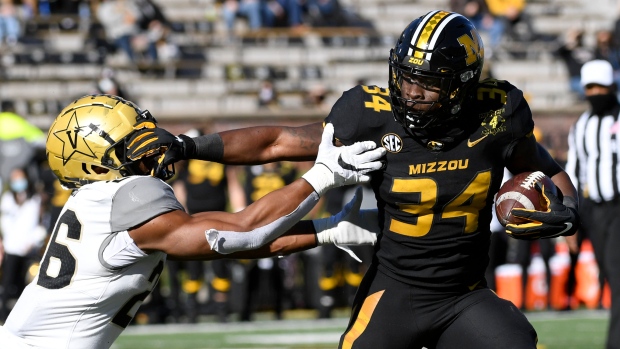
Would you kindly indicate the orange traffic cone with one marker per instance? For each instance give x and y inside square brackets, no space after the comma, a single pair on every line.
[536,288]
[560,268]
[508,283]
[587,289]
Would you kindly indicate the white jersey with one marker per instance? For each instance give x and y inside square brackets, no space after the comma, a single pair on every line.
[88,288]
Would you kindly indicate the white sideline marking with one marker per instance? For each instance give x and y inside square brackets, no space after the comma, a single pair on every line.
[295,338]
[210,327]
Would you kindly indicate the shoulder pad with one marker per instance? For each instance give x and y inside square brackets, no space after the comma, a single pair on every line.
[141,199]
[358,111]
[501,109]
[493,91]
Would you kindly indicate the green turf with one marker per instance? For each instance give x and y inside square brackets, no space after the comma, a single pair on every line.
[571,333]
[266,334]
[574,330]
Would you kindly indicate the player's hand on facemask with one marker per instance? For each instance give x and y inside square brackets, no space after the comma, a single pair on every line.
[560,219]
[330,169]
[351,226]
[151,141]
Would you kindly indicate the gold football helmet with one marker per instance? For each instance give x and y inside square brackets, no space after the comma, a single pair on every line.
[87,141]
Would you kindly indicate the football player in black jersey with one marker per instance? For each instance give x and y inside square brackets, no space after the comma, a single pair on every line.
[448,137]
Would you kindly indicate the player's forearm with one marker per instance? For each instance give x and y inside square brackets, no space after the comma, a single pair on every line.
[270,143]
[253,145]
[563,182]
[299,238]
[264,220]
[246,146]
[275,205]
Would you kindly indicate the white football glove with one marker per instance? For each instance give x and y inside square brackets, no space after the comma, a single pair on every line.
[351,226]
[339,166]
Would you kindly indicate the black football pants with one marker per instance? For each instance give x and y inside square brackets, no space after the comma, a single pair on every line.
[602,223]
[389,314]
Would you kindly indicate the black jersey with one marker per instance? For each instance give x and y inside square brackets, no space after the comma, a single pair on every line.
[206,186]
[435,202]
[261,180]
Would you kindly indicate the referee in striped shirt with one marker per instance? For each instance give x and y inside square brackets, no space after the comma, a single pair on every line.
[594,168]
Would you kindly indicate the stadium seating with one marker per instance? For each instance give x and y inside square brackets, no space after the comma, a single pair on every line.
[217,77]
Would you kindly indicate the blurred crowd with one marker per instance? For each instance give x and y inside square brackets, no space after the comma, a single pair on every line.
[574,52]
[139,34]
[140,29]
[499,21]
[507,24]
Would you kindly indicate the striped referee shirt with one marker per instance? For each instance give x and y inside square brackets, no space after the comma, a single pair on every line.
[592,162]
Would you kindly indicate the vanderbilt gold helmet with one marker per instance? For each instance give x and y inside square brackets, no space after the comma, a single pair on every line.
[88,140]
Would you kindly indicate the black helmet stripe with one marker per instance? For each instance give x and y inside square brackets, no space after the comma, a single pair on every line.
[102,133]
[427,34]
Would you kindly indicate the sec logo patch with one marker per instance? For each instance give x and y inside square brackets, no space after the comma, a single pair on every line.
[392,143]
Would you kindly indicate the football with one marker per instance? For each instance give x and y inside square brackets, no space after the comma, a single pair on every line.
[519,192]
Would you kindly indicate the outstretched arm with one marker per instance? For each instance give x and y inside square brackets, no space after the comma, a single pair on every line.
[262,144]
[183,236]
[351,226]
[252,145]
[299,238]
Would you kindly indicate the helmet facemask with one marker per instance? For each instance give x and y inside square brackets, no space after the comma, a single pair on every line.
[112,159]
[419,114]
[147,165]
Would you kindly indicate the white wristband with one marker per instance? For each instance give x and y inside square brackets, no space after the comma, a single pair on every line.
[320,178]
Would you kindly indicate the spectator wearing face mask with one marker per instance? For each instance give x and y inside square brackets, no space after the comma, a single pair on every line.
[593,168]
[22,235]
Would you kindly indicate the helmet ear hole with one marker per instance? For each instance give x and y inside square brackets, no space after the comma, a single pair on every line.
[99,169]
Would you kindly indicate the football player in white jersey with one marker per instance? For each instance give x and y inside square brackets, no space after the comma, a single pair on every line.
[122,221]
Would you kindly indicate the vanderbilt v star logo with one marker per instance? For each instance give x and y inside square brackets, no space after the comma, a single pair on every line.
[472,144]
[71,143]
[72,140]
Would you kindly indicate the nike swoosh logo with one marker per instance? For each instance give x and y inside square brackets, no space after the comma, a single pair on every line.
[345,165]
[568,227]
[471,144]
